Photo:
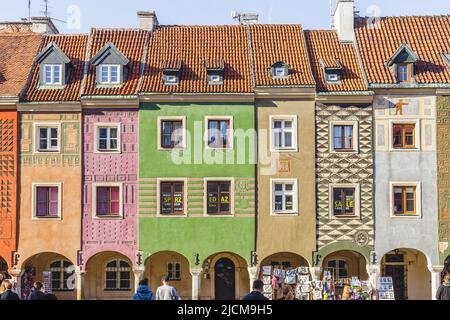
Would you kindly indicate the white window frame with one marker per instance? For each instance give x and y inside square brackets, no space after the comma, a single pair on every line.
[99,125]
[357,200]
[283,69]
[355,134]
[94,200]
[416,184]
[52,74]
[167,77]
[34,187]
[230,132]
[171,118]
[292,118]
[173,264]
[295,198]
[417,137]
[337,259]
[328,77]
[109,67]
[215,79]
[158,197]
[48,125]
[62,271]
[205,197]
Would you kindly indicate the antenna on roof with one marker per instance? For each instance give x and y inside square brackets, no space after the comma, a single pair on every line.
[331,15]
[29,10]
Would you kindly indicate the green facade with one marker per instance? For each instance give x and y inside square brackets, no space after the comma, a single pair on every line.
[197,233]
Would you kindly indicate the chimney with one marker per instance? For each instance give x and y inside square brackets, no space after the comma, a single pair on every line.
[344,20]
[43,25]
[245,18]
[147,20]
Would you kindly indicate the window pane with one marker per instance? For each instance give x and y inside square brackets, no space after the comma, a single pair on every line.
[48,74]
[114,74]
[224,127]
[288,124]
[103,133]
[213,197]
[279,203]
[102,201]
[166,198]
[277,124]
[337,133]
[113,133]
[178,198]
[42,204]
[349,201]
[102,144]
[225,197]
[54,201]
[113,144]
[398,200]
[277,138]
[289,187]
[278,187]
[337,201]
[289,203]
[54,133]
[288,139]
[56,74]
[43,144]
[104,74]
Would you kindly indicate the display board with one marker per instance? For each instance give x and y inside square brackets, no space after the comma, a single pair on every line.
[386,289]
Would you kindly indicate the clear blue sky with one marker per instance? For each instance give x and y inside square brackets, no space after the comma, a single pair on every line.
[312,14]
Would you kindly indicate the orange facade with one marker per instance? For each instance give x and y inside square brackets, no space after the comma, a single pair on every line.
[8,185]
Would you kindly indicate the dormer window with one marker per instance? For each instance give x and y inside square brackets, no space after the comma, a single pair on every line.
[280,70]
[54,66]
[446,57]
[332,70]
[171,72]
[52,74]
[402,63]
[215,70]
[109,74]
[110,66]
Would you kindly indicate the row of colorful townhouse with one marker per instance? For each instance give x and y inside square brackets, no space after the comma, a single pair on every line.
[206,152]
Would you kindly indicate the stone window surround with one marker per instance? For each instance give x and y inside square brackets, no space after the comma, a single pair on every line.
[171,118]
[205,200]
[417,137]
[355,138]
[416,184]
[292,118]
[295,211]
[357,200]
[230,132]
[98,125]
[94,200]
[158,197]
[34,186]
[38,125]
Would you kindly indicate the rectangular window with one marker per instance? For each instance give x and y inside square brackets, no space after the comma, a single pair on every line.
[219,134]
[215,79]
[109,74]
[284,197]
[280,72]
[403,73]
[404,200]
[170,79]
[48,138]
[403,136]
[332,77]
[174,271]
[108,138]
[344,202]
[46,202]
[284,133]
[52,74]
[343,137]
[172,198]
[219,197]
[108,201]
[171,134]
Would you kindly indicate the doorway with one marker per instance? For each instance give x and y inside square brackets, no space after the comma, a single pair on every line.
[224,278]
[394,266]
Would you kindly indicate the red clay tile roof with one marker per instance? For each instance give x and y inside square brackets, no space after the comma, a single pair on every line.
[275,43]
[131,43]
[192,45]
[74,47]
[428,37]
[323,45]
[17,52]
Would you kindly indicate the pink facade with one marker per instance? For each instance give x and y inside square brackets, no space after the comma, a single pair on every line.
[115,232]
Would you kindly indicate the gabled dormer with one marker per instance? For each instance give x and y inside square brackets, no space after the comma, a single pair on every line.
[402,63]
[111,66]
[54,67]
[280,69]
[215,71]
[171,70]
[332,71]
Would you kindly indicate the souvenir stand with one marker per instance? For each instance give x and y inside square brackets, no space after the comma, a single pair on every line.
[275,278]
[386,288]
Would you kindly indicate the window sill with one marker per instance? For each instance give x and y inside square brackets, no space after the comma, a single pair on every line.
[406,216]
[215,215]
[219,148]
[35,218]
[171,149]
[344,151]
[108,85]
[108,217]
[346,217]
[172,215]
[51,87]
[107,151]
[47,151]
[283,214]
[284,150]
[118,290]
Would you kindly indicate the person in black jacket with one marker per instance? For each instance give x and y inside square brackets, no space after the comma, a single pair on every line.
[443,292]
[9,294]
[36,292]
[256,294]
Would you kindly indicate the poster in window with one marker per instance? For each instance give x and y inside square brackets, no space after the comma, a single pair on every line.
[212,201]
[47,281]
[166,206]
[225,202]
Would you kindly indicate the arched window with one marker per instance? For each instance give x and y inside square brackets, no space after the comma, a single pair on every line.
[118,275]
[62,275]
[340,268]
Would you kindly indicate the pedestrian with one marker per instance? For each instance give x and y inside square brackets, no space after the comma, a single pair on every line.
[49,296]
[166,291]
[37,292]
[287,293]
[2,286]
[9,294]
[256,294]
[443,292]
[143,292]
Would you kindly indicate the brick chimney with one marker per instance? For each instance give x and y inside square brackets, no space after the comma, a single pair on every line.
[344,22]
[147,20]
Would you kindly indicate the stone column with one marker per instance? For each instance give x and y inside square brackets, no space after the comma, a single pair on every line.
[316,273]
[79,282]
[138,273]
[196,281]
[16,275]
[435,279]
[253,275]
[374,272]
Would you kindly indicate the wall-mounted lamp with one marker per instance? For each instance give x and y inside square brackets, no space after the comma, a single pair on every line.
[139,258]
[196,259]
[254,259]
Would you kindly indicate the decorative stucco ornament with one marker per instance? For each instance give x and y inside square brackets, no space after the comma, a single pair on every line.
[361,238]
